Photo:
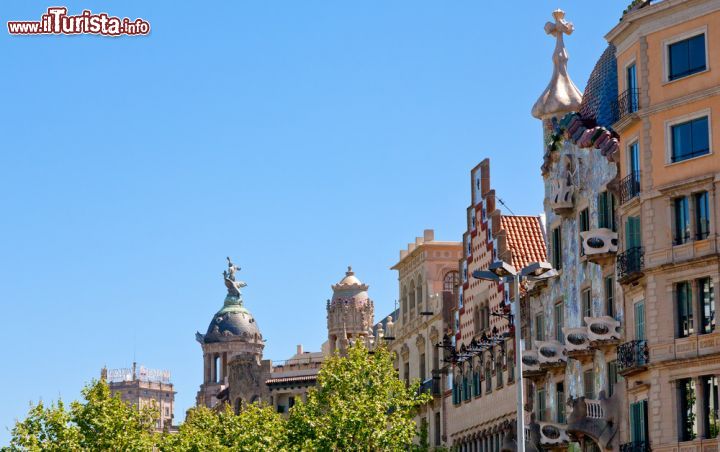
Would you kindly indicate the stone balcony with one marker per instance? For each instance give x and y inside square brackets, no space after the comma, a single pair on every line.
[551,354]
[597,418]
[603,329]
[531,364]
[552,434]
[599,245]
[561,196]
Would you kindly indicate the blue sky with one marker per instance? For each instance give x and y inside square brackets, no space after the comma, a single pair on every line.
[296,137]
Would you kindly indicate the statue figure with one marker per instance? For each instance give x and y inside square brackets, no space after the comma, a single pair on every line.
[233,285]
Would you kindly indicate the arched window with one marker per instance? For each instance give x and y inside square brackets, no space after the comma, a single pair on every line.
[404,302]
[218,369]
[412,295]
[488,376]
[419,295]
[450,281]
[499,371]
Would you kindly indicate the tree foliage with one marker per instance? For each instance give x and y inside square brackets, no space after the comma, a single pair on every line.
[255,428]
[99,422]
[359,404]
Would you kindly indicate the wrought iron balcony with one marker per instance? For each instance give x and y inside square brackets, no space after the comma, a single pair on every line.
[637,446]
[626,104]
[629,187]
[630,264]
[632,356]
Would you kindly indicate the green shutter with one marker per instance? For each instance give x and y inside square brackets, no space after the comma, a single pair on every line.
[640,320]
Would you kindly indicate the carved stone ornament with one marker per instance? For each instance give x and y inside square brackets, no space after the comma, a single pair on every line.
[602,328]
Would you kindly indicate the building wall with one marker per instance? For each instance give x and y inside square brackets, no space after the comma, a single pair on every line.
[670,358]
[416,335]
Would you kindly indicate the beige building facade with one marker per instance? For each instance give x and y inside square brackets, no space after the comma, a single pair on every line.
[668,63]
[427,279]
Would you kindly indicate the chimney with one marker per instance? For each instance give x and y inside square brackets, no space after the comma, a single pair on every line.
[299,349]
[428,235]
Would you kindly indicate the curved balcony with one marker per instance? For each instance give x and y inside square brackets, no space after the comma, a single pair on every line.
[603,328]
[552,434]
[599,244]
[551,354]
[561,196]
[577,341]
[596,418]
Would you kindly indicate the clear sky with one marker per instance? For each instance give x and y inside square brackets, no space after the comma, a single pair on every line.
[295,136]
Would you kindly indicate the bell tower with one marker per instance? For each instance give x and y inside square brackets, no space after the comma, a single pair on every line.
[350,313]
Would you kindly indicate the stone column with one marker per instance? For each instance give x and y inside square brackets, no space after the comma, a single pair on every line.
[224,366]
[206,369]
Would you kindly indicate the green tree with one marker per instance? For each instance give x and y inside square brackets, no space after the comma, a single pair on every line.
[255,428]
[100,422]
[359,404]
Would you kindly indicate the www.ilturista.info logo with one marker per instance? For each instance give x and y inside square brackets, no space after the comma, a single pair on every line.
[56,21]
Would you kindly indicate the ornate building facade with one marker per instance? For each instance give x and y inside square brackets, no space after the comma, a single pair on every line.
[482,405]
[234,371]
[428,279]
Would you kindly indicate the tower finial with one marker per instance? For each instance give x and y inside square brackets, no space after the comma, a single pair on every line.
[561,94]
[349,271]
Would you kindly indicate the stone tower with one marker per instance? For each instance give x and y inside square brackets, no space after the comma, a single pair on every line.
[234,371]
[350,313]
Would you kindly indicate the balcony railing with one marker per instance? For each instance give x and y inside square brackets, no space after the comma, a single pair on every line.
[626,104]
[630,264]
[632,356]
[629,187]
[430,386]
[637,446]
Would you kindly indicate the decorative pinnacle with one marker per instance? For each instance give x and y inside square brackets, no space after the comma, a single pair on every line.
[349,271]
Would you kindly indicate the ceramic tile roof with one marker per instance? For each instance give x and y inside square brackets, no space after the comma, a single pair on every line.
[525,238]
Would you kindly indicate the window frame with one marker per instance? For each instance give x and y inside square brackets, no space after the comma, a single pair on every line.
[697,218]
[682,233]
[670,123]
[676,39]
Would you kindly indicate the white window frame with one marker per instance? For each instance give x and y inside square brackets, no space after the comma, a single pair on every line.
[677,38]
[629,63]
[679,120]
[628,161]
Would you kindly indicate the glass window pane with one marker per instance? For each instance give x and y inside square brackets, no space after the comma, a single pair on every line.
[696,54]
[700,136]
[678,59]
[681,141]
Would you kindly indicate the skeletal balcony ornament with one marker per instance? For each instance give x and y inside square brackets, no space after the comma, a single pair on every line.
[551,352]
[576,339]
[553,434]
[599,244]
[602,328]
[530,360]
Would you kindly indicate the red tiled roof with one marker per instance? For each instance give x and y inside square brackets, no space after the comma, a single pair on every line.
[525,239]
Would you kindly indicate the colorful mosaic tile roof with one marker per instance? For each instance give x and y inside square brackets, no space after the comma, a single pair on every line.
[525,238]
[601,92]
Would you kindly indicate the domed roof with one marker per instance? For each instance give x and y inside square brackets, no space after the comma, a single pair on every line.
[350,283]
[231,323]
[601,92]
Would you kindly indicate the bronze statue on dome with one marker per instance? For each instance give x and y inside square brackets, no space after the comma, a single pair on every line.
[233,285]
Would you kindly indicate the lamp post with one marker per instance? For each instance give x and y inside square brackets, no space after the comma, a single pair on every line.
[496,272]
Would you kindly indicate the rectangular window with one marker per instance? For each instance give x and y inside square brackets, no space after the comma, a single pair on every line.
[583,225]
[683,295]
[610,296]
[632,90]
[682,221]
[686,57]
[586,305]
[422,367]
[706,293]
[710,391]
[702,215]
[557,248]
[606,211]
[612,377]
[589,384]
[540,327]
[640,320]
[688,410]
[632,233]
[690,139]
[638,421]
[540,414]
[559,317]
[560,389]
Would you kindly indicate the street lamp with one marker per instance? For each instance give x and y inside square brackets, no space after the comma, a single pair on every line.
[535,271]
